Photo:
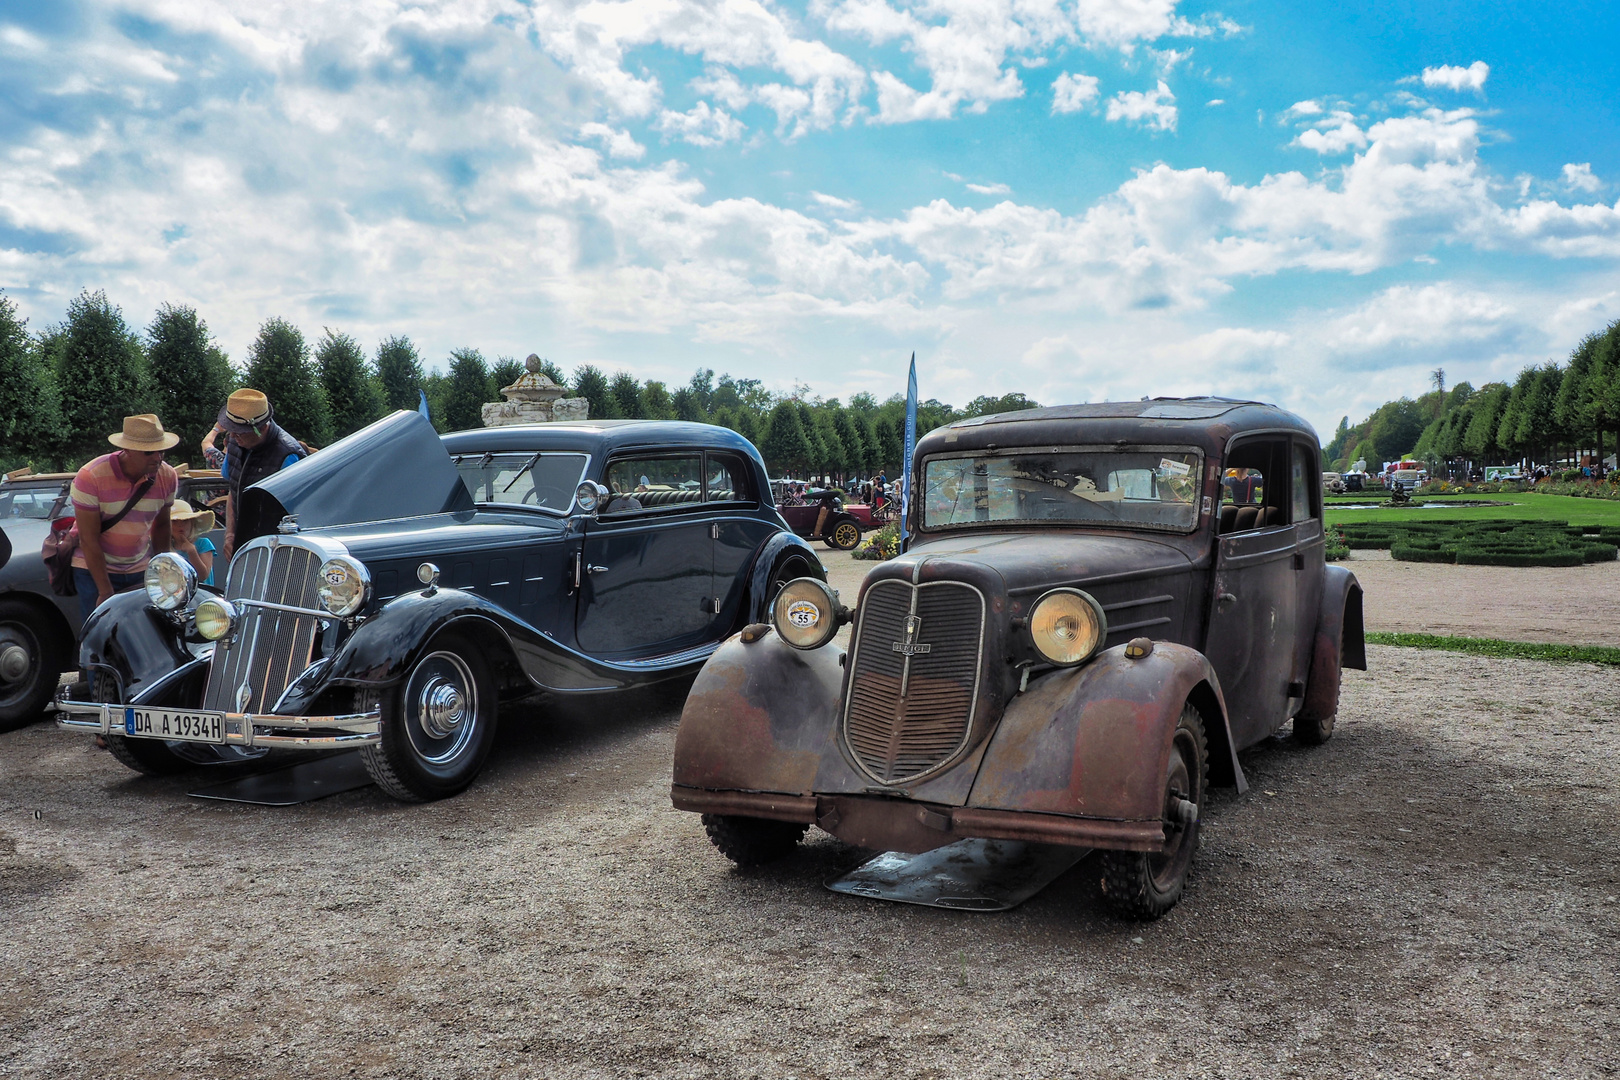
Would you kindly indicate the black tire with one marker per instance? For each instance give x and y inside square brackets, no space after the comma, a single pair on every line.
[149,757]
[438,724]
[845,535]
[33,655]
[787,569]
[749,841]
[1142,885]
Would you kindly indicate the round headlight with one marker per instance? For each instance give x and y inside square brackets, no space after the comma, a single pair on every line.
[1068,627]
[805,613]
[585,496]
[343,586]
[215,617]
[170,581]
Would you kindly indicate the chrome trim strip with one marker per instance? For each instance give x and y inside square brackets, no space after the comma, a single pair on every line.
[358,729]
[318,613]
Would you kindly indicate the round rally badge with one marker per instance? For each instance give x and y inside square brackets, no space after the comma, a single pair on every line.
[803,614]
[337,576]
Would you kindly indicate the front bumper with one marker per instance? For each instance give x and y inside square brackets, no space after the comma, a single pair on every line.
[341,732]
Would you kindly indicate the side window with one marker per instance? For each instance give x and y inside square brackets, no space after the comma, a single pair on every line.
[1256,486]
[724,480]
[1305,479]
[1245,487]
[654,483]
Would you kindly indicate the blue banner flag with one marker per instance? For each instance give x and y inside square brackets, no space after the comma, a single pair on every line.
[422,408]
[911,444]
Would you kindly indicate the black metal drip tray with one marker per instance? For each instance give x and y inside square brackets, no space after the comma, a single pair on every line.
[969,875]
[301,783]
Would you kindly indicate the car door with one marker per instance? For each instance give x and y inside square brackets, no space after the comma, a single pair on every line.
[1309,563]
[646,573]
[1254,610]
[738,534]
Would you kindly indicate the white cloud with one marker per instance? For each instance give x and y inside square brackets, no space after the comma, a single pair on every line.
[701,125]
[1166,60]
[990,189]
[1344,134]
[834,201]
[1303,108]
[1450,77]
[1071,93]
[1214,101]
[618,143]
[1580,178]
[1154,109]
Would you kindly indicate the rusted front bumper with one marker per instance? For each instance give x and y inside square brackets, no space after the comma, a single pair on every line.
[903,825]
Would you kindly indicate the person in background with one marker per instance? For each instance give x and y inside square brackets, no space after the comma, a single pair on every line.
[258,448]
[187,527]
[133,488]
[211,453]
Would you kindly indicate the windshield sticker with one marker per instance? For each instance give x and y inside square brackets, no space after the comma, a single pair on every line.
[1168,467]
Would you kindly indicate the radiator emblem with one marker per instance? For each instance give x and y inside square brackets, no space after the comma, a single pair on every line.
[244,694]
[911,646]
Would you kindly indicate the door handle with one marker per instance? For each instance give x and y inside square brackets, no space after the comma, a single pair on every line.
[597,569]
[1225,598]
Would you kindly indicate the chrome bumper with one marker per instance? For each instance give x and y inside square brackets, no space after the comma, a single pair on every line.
[357,729]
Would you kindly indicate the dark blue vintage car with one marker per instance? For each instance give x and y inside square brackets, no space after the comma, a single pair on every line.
[401,587]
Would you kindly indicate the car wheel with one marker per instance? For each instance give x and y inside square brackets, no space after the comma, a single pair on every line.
[749,841]
[844,536]
[1316,730]
[1145,885]
[149,757]
[789,569]
[32,658]
[438,724]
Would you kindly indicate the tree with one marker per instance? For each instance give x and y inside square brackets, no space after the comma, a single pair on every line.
[746,423]
[688,406]
[985,406]
[1395,428]
[1479,439]
[279,367]
[466,390]
[30,409]
[627,394]
[785,448]
[191,378]
[346,380]
[701,389]
[590,384]
[503,373]
[657,401]
[849,437]
[102,369]
[553,372]
[399,370]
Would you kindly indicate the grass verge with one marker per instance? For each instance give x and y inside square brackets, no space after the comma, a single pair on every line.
[1524,506]
[1515,650]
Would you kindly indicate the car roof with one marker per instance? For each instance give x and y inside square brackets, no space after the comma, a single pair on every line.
[596,436]
[1207,422]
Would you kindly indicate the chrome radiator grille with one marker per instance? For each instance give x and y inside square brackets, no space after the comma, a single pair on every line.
[914,677]
[269,648]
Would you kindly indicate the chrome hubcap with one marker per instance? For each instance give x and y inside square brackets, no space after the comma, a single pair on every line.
[442,708]
[14,663]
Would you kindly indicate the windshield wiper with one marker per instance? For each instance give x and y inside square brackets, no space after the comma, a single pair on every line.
[527,465]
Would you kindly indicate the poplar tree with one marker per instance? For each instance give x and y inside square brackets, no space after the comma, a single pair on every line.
[347,381]
[191,377]
[627,393]
[30,409]
[279,367]
[466,390]
[590,384]
[786,448]
[399,370]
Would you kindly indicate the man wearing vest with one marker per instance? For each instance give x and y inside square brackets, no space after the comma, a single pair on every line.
[258,448]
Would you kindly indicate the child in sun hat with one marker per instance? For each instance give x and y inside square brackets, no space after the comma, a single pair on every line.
[188,527]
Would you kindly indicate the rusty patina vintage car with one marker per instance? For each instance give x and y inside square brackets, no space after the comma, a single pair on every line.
[1101,605]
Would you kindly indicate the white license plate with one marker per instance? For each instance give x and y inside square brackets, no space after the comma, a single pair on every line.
[206,727]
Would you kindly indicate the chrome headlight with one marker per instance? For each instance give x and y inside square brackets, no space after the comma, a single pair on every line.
[806,613]
[215,616]
[1068,627]
[170,581]
[343,585]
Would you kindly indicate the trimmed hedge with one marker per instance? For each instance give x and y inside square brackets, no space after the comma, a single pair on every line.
[1488,543]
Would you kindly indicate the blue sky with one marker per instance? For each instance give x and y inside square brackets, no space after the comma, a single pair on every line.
[1078,200]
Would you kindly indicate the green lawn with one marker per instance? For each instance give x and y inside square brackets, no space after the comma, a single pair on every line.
[1526,506]
[1522,650]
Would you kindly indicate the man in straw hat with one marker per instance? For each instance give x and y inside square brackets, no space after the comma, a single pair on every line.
[133,488]
[258,448]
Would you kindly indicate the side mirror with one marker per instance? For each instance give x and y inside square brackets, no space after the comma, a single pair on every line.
[590,496]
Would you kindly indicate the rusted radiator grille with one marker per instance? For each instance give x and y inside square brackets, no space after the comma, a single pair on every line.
[900,723]
[269,648]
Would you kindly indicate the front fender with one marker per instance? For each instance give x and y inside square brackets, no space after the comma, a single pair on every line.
[772,552]
[1095,741]
[1340,643]
[761,717]
[131,637]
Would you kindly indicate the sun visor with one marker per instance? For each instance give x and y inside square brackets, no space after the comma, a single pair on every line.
[394,468]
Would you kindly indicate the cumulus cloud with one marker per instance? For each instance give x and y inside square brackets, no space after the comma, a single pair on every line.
[701,125]
[1154,109]
[1071,93]
[1344,134]
[618,143]
[1451,77]
[1580,178]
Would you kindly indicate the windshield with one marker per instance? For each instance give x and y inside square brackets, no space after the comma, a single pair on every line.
[1150,489]
[35,503]
[543,481]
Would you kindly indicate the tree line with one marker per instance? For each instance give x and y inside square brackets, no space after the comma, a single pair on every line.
[65,387]
[1549,412]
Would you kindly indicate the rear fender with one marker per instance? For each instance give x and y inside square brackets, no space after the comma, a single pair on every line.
[135,640]
[1340,643]
[771,553]
[1095,740]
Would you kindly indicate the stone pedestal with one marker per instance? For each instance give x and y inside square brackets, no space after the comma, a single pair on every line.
[533,399]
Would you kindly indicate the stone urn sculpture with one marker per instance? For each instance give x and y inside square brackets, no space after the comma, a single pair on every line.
[533,399]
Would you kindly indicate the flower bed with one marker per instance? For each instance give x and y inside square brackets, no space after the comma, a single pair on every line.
[1488,543]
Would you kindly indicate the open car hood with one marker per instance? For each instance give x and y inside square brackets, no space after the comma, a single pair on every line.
[394,468]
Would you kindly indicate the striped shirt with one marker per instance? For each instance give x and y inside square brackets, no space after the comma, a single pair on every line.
[102,487]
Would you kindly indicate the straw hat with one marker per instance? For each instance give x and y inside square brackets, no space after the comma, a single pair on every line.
[182,512]
[244,410]
[145,433]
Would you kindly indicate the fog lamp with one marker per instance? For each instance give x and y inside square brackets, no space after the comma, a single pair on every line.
[170,581]
[1068,627]
[215,616]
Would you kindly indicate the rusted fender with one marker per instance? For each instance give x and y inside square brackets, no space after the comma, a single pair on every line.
[1095,740]
[1340,643]
[764,717]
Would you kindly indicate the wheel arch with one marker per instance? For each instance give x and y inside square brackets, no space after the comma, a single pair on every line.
[772,552]
[1339,642]
[48,617]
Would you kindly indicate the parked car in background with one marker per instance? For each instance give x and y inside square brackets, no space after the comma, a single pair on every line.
[1091,620]
[822,515]
[398,589]
[1332,483]
[37,627]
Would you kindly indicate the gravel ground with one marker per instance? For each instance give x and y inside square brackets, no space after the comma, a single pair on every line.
[1432,892]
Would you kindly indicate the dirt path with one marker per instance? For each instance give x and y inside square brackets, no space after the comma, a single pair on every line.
[1431,892]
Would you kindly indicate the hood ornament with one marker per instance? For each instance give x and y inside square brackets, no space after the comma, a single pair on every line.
[244,694]
[911,646]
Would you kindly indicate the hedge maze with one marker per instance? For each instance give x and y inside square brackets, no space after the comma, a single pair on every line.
[1488,543]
